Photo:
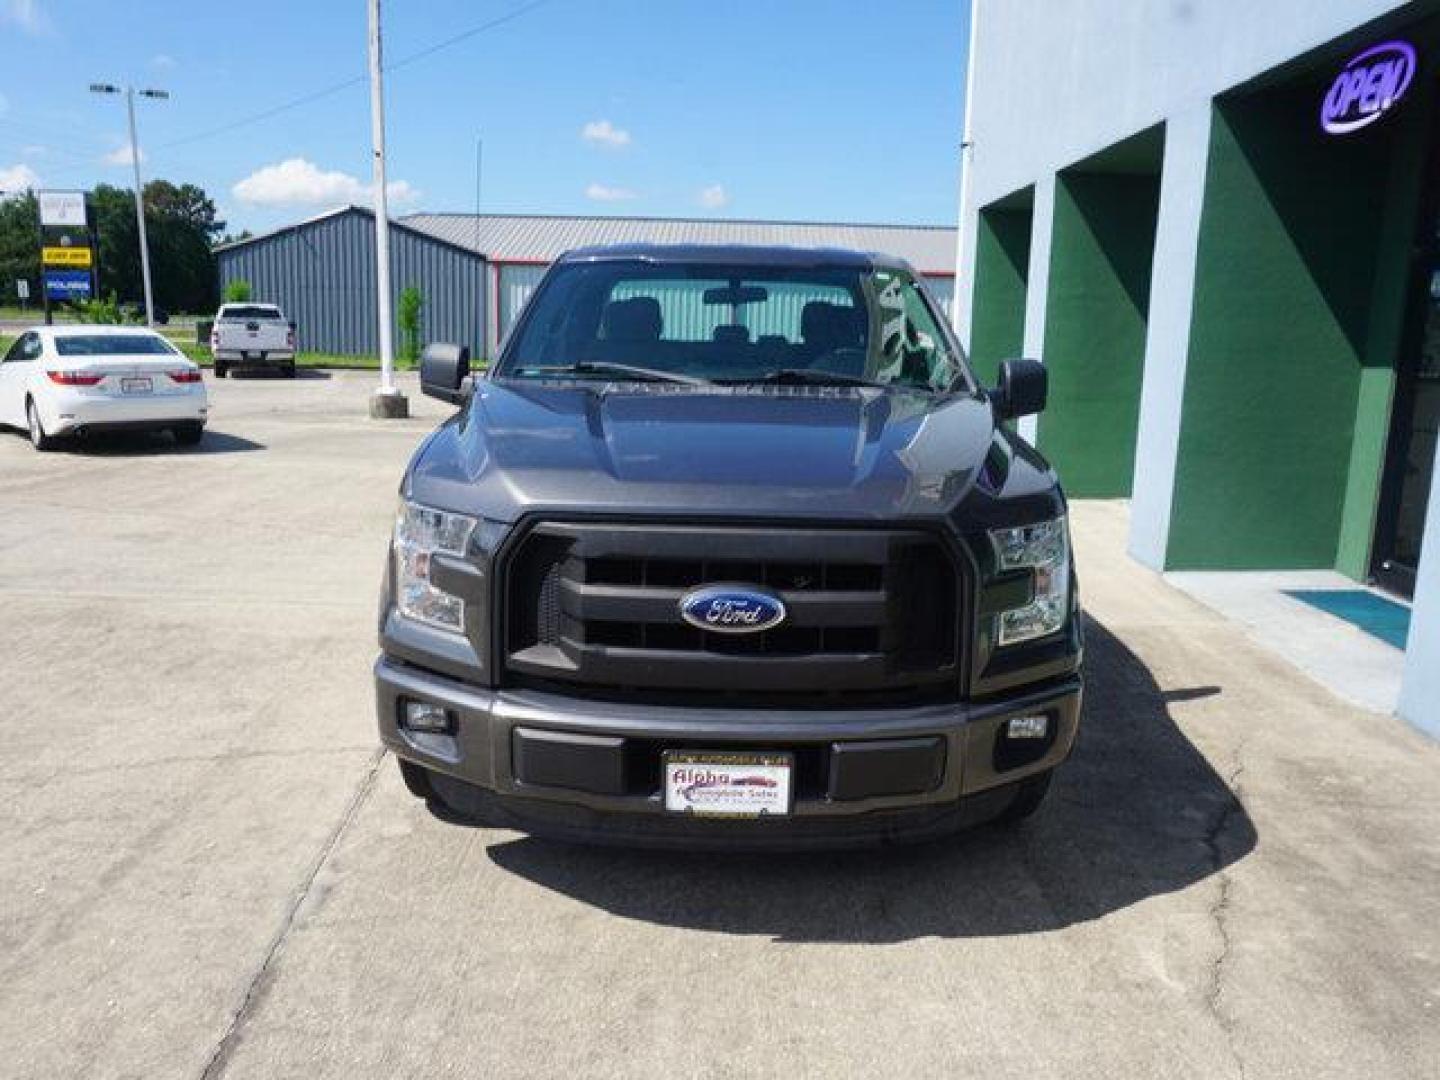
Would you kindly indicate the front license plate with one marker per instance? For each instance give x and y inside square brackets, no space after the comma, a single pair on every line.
[728,784]
[136,386]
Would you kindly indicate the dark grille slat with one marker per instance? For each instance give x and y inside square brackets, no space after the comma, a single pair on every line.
[818,609]
[598,605]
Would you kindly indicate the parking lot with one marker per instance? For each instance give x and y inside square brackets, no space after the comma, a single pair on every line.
[210,870]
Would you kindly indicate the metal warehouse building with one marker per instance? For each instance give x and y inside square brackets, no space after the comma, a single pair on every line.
[1216,223]
[477,271]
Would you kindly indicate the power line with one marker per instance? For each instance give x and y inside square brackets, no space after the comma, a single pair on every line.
[465,35]
[335,88]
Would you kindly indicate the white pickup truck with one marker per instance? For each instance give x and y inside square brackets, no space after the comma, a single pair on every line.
[252,335]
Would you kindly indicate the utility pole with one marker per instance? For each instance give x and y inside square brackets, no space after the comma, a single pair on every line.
[387,402]
[159,95]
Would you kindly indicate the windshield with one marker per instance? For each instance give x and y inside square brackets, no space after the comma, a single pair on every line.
[113,345]
[734,324]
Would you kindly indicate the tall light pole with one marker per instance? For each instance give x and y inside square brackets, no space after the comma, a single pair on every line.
[159,95]
[387,402]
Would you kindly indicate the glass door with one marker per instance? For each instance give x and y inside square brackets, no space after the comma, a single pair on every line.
[1410,460]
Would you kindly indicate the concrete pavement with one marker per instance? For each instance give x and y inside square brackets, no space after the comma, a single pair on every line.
[208,870]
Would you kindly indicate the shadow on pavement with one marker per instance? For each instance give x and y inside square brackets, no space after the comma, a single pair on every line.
[245,374]
[142,443]
[1137,812]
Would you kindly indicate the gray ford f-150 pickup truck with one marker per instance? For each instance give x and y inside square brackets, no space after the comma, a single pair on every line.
[729,548]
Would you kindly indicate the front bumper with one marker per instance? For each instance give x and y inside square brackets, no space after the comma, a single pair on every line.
[586,769]
[254,357]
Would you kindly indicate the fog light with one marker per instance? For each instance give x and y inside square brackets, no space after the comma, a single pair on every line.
[1028,727]
[423,716]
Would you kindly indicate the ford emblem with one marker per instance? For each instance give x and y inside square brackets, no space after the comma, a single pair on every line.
[732,609]
[1368,87]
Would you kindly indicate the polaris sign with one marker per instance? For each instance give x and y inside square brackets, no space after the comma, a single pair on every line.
[1368,87]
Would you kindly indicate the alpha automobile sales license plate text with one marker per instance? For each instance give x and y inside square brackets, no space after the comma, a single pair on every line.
[727,783]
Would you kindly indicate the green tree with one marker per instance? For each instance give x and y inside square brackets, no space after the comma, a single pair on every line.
[180,222]
[181,226]
[237,291]
[100,311]
[412,301]
[20,245]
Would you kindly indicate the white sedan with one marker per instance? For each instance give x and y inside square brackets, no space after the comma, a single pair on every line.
[74,380]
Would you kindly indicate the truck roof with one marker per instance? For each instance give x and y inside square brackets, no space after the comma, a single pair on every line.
[737,254]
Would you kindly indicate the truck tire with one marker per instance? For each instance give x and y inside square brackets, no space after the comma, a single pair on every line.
[288,370]
[38,439]
[1029,796]
[221,369]
[417,779]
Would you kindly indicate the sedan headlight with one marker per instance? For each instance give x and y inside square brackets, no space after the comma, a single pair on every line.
[1044,550]
[420,534]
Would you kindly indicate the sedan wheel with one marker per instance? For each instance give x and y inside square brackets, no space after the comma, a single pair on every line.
[38,439]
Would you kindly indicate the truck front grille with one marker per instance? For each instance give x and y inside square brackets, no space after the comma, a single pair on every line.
[873,615]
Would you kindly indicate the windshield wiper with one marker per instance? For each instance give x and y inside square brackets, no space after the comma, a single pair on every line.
[802,377]
[629,371]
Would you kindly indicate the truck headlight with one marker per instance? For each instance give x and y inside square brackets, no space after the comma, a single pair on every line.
[420,534]
[1044,550]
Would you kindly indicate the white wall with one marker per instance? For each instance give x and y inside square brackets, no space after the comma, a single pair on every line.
[1420,694]
[1058,80]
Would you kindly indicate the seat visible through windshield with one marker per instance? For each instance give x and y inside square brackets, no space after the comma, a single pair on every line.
[734,324]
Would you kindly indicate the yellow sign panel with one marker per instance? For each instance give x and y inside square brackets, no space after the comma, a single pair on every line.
[66,256]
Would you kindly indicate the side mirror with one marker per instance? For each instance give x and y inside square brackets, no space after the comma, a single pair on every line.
[1023,387]
[444,370]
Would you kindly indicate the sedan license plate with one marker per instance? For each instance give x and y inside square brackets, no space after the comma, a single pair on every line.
[136,386]
[728,784]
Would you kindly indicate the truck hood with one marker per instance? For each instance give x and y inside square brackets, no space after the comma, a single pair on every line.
[663,449]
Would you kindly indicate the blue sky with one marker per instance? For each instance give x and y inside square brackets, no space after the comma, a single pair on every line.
[833,110]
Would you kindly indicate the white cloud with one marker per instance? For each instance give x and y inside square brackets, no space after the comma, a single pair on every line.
[605,193]
[714,197]
[15,179]
[604,133]
[25,14]
[164,62]
[298,182]
[121,155]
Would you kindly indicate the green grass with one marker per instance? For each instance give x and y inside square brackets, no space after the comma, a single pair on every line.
[184,339]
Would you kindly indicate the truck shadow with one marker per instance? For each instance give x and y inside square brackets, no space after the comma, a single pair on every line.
[1137,812]
[275,374]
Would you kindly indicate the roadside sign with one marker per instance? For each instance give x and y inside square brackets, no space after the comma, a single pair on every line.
[22,288]
[67,284]
[62,209]
[78,257]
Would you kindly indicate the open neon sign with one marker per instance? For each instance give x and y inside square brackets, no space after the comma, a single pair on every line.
[1368,87]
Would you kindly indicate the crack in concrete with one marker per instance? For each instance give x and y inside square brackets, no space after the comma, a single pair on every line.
[259,984]
[1220,910]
